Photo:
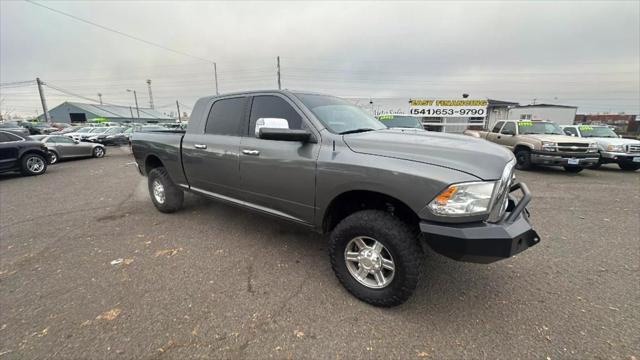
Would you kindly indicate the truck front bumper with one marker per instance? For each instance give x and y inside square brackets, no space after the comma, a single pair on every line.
[620,158]
[483,242]
[546,158]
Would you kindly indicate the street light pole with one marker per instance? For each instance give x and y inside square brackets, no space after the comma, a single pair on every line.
[135,98]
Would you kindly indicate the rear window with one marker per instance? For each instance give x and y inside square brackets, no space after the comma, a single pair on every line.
[225,117]
[7,137]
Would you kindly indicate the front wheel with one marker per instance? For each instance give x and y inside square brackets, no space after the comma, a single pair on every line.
[98,152]
[629,167]
[165,195]
[53,157]
[376,257]
[523,159]
[573,169]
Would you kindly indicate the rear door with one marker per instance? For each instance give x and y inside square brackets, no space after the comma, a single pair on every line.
[211,157]
[279,177]
[493,135]
[9,144]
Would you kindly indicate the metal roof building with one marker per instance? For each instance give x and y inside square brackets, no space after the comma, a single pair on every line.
[75,112]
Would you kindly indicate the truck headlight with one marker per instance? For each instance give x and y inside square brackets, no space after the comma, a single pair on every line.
[464,199]
[593,147]
[616,148]
[549,146]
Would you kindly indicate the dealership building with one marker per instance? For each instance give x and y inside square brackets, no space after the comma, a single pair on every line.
[75,112]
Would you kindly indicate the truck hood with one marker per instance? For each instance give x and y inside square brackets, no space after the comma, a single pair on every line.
[558,138]
[470,155]
[613,141]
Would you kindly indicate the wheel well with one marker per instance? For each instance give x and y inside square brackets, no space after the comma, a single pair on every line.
[521,147]
[37,152]
[151,163]
[349,202]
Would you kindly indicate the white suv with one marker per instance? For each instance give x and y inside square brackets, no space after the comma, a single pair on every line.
[612,148]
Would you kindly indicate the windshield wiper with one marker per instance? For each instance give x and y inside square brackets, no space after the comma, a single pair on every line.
[356,131]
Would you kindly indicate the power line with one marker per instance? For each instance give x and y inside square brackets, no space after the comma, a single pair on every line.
[74,94]
[118,32]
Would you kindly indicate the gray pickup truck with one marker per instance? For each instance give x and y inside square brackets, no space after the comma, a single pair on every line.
[322,162]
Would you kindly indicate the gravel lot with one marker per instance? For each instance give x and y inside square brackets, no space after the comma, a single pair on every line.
[217,281]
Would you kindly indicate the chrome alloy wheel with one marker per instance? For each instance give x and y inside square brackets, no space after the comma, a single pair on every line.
[54,157]
[35,164]
[369,262]
[158,191]
[99,151]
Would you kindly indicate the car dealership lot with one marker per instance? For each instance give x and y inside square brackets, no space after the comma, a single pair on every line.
[217,281]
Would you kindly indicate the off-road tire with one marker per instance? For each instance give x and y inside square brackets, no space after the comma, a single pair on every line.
[398,237]
[523,159]
[573,169]
[24,168]
[174,196]
[629,167]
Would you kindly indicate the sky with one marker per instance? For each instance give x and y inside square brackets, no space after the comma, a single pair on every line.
[585,54]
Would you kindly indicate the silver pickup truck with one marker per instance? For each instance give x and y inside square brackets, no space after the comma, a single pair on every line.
[321,162]
[612,148]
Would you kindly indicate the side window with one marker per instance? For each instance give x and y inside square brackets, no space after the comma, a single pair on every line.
[570,131]
[61,140]
[509,128]
[497,127]
[225,117]
[7,137]
[273,107]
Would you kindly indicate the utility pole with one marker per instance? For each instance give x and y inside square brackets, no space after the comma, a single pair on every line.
[135,97]
[279,84]
[45,110]
[215,76]
[150,94]
[131,111]
[178,106]
[100,97]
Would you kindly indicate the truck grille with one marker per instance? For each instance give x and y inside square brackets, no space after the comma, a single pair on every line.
[633,148]
[573,147]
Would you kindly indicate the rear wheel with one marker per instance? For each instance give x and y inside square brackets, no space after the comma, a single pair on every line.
[573,169]
[165,195]
[523,159]
[629,167]
[33,164]
[376,257]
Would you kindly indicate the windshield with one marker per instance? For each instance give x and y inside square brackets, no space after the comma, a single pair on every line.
[599,131]
[401,121]
[99,130]
[339,116]
[538,127]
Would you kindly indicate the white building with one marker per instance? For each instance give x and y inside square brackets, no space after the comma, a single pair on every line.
[560,114]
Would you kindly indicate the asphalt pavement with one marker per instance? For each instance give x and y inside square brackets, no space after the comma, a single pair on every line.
[89,269]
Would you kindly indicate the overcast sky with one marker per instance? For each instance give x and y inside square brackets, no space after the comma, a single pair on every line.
[573,53]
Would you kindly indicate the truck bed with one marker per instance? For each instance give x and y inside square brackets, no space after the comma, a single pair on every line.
[167,144]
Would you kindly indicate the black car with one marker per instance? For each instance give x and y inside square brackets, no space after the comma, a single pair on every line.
[13,127]
[112,136]
[17,153]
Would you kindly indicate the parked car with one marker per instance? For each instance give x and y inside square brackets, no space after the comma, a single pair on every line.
[38,128]
[112,136]
[17,153]
[67,130]
[61,147]
[541,143]
[612,148]
[401,121]
[322,162]
[14,128]
[76,135]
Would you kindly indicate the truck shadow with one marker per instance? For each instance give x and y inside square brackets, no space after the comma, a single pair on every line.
[448,288]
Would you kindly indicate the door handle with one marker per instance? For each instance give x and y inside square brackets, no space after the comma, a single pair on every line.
[251,152]
[200,146]
[499,137]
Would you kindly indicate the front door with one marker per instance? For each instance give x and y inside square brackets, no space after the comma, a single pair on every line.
[69,148]
[279,177]
[211,159]
[507,135]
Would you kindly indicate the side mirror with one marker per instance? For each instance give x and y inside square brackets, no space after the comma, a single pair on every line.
[268,133]
[273,123]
